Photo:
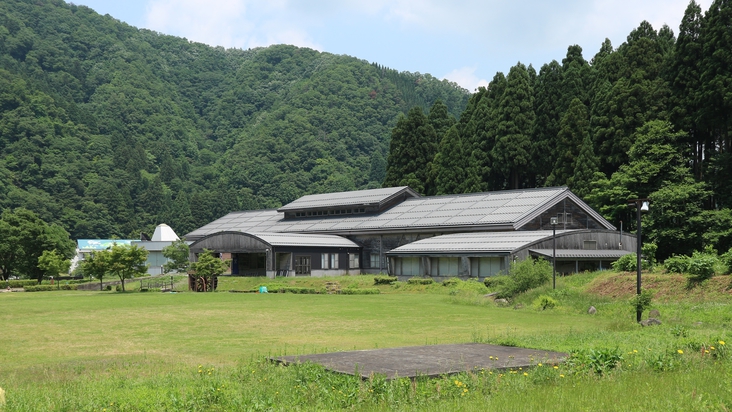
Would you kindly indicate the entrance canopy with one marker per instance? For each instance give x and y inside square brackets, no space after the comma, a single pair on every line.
[243,242]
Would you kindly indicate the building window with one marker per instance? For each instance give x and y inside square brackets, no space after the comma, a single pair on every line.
[590,245]
[375,261]
[353,261]
[334,261]
[324,261]
[302,265]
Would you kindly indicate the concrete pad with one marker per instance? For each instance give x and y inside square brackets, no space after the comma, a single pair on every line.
[433,360]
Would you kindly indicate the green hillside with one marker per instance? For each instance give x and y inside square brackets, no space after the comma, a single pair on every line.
[109,130]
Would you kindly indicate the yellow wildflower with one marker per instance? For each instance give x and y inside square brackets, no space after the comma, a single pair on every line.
[556,367]
[526,374]
[711,347]
[721,342]
[680,352]
[539,364]
[561,376]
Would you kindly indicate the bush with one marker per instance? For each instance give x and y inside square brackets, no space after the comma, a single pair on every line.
[291,289]
[677,264]
[450,282]
[363,291]
[108,287]
[524,275]
[17,283]
[643,301]
[68,287]
[726,260]
[701,266]
[544,302]
[384,280]
[626,263]
[420,281]
[39,288]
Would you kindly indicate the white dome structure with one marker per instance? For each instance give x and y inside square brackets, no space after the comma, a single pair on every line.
[164,233]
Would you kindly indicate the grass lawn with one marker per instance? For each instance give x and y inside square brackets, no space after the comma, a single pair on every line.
[69,350]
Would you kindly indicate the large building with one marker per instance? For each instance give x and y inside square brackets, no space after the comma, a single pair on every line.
[396,230]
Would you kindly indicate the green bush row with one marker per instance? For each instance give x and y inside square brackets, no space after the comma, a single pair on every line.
[17,283]
[361,291]
[39,288]
[384,280]
[420,281]
[291,289]
[47,288]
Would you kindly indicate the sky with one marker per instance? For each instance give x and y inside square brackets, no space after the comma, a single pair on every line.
[464,41]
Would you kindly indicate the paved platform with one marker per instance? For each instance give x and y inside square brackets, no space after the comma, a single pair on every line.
[432,360]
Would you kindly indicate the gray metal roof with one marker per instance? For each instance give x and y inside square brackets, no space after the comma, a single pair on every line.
[369,197]
[501,210]
[474,242]
[581,253]
[296,239]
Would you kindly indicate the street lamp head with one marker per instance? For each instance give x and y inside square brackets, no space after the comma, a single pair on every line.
[554,221]
[644,207]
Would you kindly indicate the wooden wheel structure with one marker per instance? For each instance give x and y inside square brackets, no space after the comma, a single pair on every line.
[202,284]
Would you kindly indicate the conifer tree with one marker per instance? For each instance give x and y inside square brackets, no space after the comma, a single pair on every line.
[450,164]
[548,94]
[586,168]
[440,119]
[413,146]
[515,126]
[574,131]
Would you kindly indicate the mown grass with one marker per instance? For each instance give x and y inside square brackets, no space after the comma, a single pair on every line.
[153,351]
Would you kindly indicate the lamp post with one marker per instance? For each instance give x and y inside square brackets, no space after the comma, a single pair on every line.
[641,205]
[554,222]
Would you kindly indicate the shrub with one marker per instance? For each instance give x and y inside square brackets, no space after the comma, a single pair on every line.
[544,302]
[643,301]
[384,280]
[726,260]
[525,275]
[17,283]
[626,263]
[450,282]
[291,289]
[420,281]
[701,266]
[68,287]
[677,264]
[108,287]
[648,254]
[363,291]
[39,288]
[597,360]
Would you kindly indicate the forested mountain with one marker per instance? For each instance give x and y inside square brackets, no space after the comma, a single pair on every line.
[109,130]
[651,118]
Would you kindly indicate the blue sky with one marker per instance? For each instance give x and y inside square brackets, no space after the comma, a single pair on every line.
[466,41]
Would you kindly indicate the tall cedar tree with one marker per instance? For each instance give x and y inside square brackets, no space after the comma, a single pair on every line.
[481,137]
[515,125]
[450,163]
[548,92]
[575,128]
[716,93]
[413,146]
[685,82]
[586,169]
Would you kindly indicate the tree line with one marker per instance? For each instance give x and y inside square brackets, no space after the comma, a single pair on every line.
[648,119]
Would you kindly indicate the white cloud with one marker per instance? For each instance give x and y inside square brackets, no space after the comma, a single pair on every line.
[229,23]
[466,78]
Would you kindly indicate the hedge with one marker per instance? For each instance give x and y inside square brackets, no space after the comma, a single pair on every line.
[39,288]
[291,289]
[384,280]
[420,281]
[17,283]
[362,291]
